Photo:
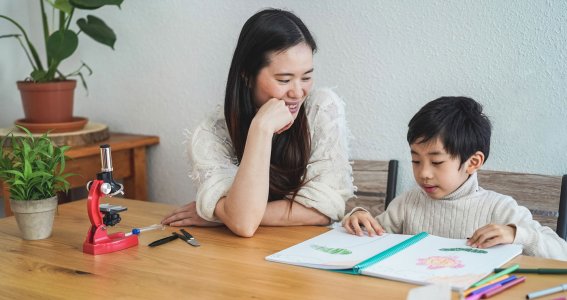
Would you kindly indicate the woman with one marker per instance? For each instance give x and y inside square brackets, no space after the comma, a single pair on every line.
[278,155]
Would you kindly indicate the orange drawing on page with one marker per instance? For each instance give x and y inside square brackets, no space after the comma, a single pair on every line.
[439,262]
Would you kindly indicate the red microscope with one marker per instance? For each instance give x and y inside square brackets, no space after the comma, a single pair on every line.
[98,241]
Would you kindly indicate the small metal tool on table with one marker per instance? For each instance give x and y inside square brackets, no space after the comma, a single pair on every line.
[186,236]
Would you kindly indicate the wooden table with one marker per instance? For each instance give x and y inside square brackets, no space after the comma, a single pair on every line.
[128,159]
[224,267]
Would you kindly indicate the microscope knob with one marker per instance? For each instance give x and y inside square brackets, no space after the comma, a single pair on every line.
[105,188]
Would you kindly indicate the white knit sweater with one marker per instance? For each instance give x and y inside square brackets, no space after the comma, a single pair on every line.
[329,173]
[461,213]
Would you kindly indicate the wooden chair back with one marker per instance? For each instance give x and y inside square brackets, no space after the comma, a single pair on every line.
[376,184]
[541,194]
[562,220]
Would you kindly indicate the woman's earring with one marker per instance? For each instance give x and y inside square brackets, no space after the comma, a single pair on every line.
[245,79]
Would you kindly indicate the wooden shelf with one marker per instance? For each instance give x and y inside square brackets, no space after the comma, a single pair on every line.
[92,133]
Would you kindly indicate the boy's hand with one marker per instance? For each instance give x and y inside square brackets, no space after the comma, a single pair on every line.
[352,224]
[491,235]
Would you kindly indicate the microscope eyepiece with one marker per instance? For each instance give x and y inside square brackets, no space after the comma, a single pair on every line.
[106,171]
[105,158]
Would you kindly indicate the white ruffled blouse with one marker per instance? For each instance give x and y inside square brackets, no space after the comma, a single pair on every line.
[329,173]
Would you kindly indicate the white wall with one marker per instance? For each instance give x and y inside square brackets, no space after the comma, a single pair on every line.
[385,58]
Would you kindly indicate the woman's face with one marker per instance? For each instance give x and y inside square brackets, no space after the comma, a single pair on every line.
[288,77]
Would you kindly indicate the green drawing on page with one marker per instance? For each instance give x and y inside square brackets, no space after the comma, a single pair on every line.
[339,251]
[472,250]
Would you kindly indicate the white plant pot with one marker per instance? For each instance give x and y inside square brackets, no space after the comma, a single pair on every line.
[35,217]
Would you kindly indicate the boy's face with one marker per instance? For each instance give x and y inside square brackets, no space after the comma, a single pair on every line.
[435,171]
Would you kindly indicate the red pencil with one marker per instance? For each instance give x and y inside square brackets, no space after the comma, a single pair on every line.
[499,289]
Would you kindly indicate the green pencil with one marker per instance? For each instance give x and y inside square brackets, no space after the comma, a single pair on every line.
[503,272]
[536,271]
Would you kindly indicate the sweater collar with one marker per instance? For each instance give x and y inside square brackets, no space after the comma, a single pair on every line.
[468,187]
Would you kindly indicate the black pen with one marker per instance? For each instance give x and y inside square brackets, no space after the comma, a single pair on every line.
[538,271]
[168,239]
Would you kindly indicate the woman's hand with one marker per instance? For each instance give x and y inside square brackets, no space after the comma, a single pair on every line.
[274,115]
[492,235]
[187,216]
[352,224]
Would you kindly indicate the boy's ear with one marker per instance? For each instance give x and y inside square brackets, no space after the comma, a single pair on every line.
[475,162]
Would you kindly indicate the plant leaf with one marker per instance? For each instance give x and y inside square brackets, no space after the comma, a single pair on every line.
[32,167]
[63,5]
[14,172]
[30,135]
[97,30]
[61,44]
[38,75]
[94,4]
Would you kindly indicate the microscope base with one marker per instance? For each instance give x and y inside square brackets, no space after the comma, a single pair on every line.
[108,243]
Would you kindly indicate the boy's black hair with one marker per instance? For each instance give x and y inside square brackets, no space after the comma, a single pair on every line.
[459,124]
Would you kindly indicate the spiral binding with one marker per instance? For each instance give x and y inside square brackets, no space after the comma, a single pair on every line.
[389,252]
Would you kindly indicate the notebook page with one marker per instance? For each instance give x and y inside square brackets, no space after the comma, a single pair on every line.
[442,260]
[336,249]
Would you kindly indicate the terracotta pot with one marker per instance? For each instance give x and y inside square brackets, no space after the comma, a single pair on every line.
[48,102]
[35,217]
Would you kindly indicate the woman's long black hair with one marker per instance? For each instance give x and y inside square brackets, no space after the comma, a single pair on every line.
[268,31]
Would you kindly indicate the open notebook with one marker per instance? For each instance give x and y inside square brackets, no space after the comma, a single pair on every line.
[418,259]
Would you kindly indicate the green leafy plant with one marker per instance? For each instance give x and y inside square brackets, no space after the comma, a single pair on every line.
[33,167]
[61,41]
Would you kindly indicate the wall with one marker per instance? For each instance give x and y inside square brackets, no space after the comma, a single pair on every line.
[385,58]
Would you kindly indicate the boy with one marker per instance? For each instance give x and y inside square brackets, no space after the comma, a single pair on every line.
[450,140]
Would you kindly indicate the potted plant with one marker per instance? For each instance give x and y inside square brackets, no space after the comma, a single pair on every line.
[47,93]
[33,168]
